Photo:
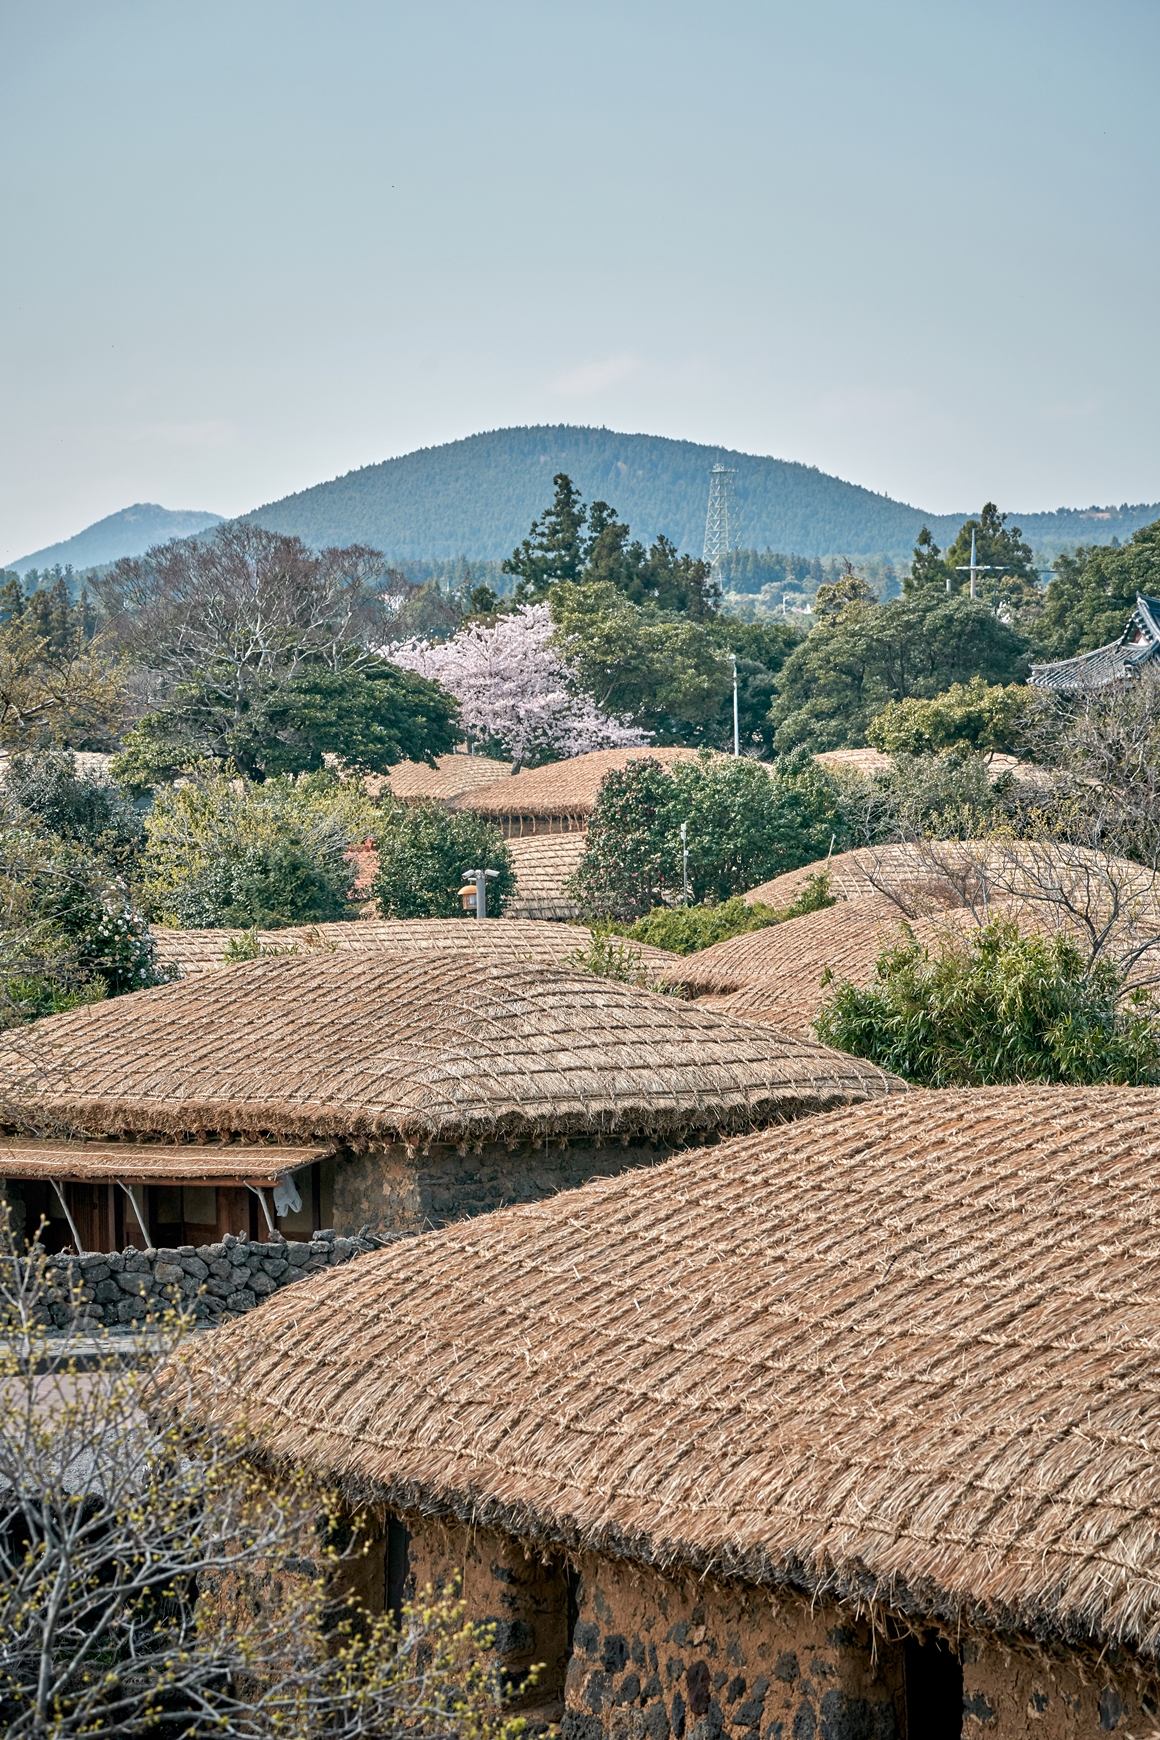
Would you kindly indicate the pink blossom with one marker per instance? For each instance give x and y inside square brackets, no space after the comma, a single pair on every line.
[512,684]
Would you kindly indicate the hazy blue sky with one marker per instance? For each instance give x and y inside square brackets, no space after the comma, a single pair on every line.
[249,245]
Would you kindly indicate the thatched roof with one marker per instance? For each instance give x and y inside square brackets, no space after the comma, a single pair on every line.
[934,875]
[444,1048]
[904,1353]
[543,863]
[451,776]
[563,788]
[514,939]
[775,975]
[864,761]
[151,1163]
[853,875]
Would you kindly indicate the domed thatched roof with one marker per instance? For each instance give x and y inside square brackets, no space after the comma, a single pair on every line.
[905,1353]
[562,788]
[503,939]
[374,1047]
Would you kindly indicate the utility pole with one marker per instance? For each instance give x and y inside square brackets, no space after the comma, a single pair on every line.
[736,732]
[479,877]
[685,859]
[717,519]
[972,567]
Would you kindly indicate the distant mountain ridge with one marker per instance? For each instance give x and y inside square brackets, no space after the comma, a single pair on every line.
[478,496]
[128,533]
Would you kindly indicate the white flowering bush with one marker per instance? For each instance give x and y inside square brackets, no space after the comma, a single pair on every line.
[118,946]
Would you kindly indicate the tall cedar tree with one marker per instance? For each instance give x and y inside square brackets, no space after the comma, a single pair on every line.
[558,549]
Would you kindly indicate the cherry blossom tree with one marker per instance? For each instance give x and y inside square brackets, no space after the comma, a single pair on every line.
[512,685]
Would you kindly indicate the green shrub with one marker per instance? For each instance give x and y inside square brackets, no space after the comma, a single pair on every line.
[746,821]
[224,852]
[87,812]
[996,1007]
[423,853]
[683,930]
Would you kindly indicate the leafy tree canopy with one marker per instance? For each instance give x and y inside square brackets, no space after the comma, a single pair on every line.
[260,649]
[974,715]
[745,822]
[423,853]
[61,684]
[662,672]
[368,713]
[997,1006]
[227,852]
[865,655]
[1092,594]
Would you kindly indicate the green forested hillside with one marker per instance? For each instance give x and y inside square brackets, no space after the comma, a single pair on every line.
[478,496]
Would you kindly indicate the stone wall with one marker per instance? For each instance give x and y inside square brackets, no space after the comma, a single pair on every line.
[390,1191]
[632,1655]
[213,1281]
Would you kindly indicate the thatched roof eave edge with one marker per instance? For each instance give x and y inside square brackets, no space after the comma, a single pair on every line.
[851,1583]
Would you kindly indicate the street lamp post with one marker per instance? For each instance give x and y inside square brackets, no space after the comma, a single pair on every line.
[685,859]
[736,732]
[479,877]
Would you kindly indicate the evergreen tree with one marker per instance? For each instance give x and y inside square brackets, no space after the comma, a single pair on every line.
[927,567]
[555,548]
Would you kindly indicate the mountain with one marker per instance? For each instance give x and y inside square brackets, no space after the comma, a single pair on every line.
[129,533]
[477,497]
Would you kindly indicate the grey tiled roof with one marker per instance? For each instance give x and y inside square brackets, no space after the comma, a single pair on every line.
[1138,645]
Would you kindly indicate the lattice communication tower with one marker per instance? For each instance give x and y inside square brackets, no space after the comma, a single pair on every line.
[717,520]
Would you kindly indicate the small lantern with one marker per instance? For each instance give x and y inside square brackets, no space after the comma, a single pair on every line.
[469,897]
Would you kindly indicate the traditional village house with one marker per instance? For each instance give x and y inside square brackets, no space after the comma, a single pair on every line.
[557,798]
[1136,650]
[844,1429]
[392,1092]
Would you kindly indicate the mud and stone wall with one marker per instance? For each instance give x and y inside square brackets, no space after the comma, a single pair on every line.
[390,1191]
[631,1655]
[215,1281]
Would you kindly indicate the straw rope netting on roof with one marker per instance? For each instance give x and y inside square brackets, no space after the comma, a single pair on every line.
[507,939]
[775,975]
[562,787]
[442,1048]
[905,1353]
[543,863]
[924,876]
[451,776]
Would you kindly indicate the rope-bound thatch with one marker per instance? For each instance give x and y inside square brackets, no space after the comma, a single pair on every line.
[451,776]
[144,1163]
[500,939]
[543,863]
[371,1047]
[776,975]
[562,788]
[904,1353]
[928,875]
